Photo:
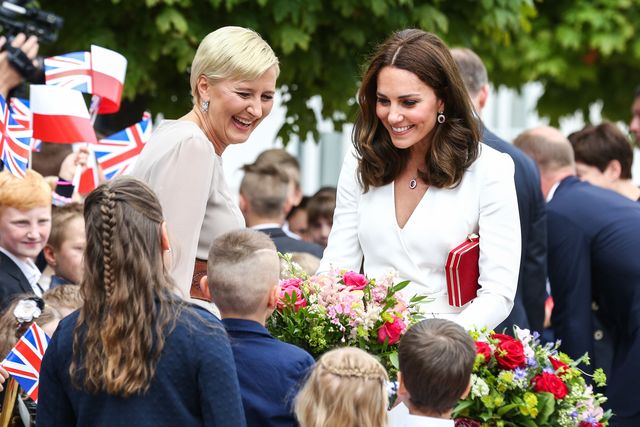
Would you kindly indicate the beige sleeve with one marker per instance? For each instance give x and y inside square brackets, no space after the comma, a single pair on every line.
[183,184]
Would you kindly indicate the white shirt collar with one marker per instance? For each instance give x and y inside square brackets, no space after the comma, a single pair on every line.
[266,225]
[400,417]
[552,191]
[28,268]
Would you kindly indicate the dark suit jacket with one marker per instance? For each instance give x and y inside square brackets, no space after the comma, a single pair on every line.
[287,244]
[270,373]
[594,242]
[12,281]
[528,308]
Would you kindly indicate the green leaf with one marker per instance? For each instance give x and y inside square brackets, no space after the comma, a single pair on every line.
[546,406]
[400,286]
[292,37]
[169,18]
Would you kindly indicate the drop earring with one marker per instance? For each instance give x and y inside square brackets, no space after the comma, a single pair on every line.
[440,117]
[204,106]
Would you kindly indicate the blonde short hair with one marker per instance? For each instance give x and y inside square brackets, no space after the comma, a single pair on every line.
[26,193]
[243,266]
[64,297]
[346,388]
[231,52]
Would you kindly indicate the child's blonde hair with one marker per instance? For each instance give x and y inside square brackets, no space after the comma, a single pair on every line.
[64,298]
[347,388]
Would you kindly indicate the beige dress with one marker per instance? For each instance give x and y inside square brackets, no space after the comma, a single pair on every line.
[181,166]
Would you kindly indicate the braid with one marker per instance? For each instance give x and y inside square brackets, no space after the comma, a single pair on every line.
[108,225]
[367,374]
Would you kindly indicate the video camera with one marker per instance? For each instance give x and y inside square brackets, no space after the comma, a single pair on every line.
[16,17]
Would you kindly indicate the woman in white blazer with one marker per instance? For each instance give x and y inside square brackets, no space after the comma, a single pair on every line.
[419,181]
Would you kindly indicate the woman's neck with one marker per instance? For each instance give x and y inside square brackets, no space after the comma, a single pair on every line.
[199,118]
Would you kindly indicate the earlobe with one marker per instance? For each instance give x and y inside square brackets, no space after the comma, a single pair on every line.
[203,87]
[613,170]
[466,391]
[49,255]
[164,237]
[274,295]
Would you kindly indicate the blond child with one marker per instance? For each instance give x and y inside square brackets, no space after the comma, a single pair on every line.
[347,388]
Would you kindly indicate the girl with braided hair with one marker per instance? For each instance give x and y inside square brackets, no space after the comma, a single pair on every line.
[135,353]
[347,388]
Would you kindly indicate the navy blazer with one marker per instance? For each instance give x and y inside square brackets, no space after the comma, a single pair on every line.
[528,305]
[270,373]
[287,244]
[12,281]
[594,242]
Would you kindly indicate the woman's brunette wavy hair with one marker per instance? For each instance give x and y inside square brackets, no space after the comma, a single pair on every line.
[454,144]
[129,305]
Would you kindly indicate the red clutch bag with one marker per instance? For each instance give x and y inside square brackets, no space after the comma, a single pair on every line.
[462,271]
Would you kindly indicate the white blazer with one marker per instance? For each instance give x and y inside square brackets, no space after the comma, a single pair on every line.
[365,225]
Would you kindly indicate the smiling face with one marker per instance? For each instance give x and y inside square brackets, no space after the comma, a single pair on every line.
[406,106]
[237,107]
[24,232]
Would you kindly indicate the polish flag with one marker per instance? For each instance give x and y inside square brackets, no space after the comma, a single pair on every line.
[60,115]
[108,69]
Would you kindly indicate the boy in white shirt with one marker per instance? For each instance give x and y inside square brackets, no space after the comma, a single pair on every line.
[436,359]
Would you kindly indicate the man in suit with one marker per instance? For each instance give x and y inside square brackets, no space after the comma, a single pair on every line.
[264,204]
[528,307]
[593,244]
[25,223]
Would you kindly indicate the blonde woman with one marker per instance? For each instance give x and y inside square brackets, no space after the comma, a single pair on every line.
[347,388]
[233,82]
[135,354]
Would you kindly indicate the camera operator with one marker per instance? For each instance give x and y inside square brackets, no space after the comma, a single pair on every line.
[9,76]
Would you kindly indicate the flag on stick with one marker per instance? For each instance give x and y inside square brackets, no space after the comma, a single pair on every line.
[71,70]
[108,69]
[60,115]
[24,360]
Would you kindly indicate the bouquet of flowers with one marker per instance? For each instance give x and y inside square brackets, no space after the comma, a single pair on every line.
[343,308]
[520,382]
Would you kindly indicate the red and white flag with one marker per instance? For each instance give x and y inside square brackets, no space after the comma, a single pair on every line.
[60,115]
[108,69]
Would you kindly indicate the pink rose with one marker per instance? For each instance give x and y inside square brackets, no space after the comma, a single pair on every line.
[355,281]
[391,331]
[296,296]
[291,283]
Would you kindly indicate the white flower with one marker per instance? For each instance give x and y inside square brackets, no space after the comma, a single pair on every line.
[479,387]
[26,311]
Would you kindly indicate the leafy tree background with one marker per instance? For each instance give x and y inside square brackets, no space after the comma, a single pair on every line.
[580,50]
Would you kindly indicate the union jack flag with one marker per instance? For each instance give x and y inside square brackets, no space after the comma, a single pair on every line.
[22,113]
[24,360]
[71,70]
[116,154]
[15,143]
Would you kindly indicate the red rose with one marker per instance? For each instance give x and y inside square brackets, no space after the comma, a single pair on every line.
[560,367]
[484,349]
[391,331]
[509,352]
[467,422]
[296,296]
[550,383]
[588,424]
[355,281]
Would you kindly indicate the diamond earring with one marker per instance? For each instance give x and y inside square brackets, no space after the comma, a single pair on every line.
[204,106]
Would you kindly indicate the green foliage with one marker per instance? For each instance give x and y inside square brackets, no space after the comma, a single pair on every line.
[581,50]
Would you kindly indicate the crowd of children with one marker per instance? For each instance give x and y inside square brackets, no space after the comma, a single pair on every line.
[127,350]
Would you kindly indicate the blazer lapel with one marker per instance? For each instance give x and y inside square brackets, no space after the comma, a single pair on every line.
[14,271]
